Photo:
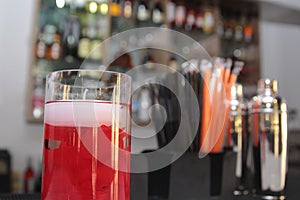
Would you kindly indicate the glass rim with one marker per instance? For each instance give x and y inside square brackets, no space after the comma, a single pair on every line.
[50,75]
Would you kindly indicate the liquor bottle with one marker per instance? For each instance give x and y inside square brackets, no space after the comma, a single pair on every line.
[71,36]
[180,14]
[40,46]
[115,8]
[158,14]
[84,44]
[56,47]
[170,12]
[29,177]
[143,12]
[127,9]
[199,19]
[91,6]
[208,20]
[103,7]
[248,29]
[190,20]
[229,27]
[238,28]
[48,37]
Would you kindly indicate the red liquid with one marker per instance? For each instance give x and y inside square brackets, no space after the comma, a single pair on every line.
[72,169]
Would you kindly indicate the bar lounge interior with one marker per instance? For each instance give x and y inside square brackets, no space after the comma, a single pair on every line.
[249,48]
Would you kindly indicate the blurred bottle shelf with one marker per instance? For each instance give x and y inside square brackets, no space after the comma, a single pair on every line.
[69,32]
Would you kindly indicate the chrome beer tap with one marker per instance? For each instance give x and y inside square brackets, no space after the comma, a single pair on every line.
[239,136]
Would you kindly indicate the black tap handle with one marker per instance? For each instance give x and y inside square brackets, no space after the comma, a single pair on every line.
[216,173]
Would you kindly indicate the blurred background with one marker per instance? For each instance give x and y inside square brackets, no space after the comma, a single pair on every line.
[39,36]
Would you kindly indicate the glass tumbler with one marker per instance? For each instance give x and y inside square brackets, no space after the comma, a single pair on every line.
[86,150]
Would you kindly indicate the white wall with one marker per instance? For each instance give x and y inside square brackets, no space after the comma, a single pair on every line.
[280,59]
[20,138]
[288,3]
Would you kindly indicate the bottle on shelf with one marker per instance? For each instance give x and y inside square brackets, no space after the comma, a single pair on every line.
[190,20]
[158,14]
[103,7]
[41,46]
[56,47]
[238,28]
[29,177]
[91,6]
[143,11]
[170,6]
[180,15]
[248,29]
[208,20]
[127,9]
[84,44]
[115,8]
[199,19]
[71,37]
[229,27]
[48,37]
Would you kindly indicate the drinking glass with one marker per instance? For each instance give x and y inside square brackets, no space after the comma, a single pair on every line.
[86,150]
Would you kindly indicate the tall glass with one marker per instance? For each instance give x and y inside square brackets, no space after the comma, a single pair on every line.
[86,153]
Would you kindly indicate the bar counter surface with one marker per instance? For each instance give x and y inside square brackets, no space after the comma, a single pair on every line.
[190,178]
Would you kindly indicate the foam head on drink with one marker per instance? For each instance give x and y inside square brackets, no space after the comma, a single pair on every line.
[86,155]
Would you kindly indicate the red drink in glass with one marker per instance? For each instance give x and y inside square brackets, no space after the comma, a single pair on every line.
[86,151]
